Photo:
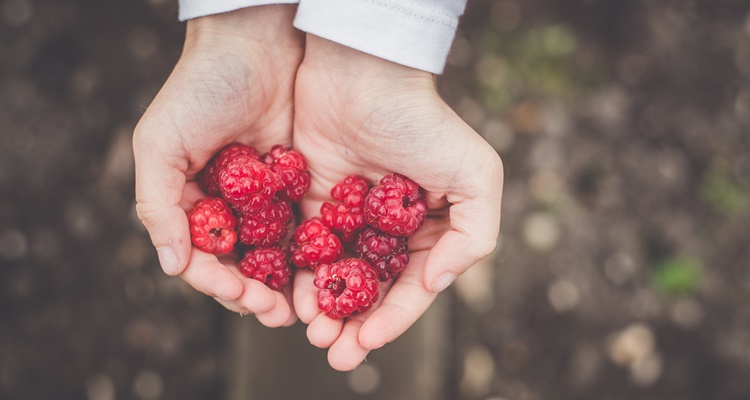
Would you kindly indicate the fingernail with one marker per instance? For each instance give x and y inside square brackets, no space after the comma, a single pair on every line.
[443,281]
[168,260]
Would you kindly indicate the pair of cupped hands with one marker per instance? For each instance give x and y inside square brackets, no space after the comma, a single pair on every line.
[248,76]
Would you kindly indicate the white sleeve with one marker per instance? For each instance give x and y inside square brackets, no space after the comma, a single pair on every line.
[190,9]
[414,33]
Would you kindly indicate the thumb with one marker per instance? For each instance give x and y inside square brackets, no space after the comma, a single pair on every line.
[475,224]
[159,183]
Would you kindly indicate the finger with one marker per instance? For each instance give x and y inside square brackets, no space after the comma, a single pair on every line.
[403,304]
[288,297]
[324,330]
[305,296]
[270,313]
[190,194]
[232,306]
[236,307]
[429,233]
[475,224]
[279,314]
[346,353]
[436,201]
[160,179]
[207,275]
[269,306]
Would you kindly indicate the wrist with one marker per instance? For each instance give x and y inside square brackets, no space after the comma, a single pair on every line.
[267,26]
[344,64]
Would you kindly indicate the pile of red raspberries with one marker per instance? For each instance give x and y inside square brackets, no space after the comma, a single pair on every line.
[251,201]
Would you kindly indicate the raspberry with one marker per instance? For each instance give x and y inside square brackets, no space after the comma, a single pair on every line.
[346,218]
[396,206]
[212,226]
[314,244]
[350,189]
[346,287]
[266,227]
[387,253]
[268,265]
[291,166]
[208,178]
[248,184]
[342,219]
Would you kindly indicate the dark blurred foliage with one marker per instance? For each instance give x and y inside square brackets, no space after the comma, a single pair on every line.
[622,270]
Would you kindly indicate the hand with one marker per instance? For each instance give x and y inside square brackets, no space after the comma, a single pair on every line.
[358,114]
[233,83]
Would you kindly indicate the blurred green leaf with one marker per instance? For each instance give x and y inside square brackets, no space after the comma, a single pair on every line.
[722,192]
[677,276]
[539,60]
[559,40]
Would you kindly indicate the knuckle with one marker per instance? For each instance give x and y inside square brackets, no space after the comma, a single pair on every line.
[485,247]
[147,213]
[497,165]
[140,135]
[153,135]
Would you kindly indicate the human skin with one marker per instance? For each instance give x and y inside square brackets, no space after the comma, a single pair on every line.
[234,82]
[362,115]
[239,79]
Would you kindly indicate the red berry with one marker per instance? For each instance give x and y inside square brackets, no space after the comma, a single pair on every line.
[291,166]
[208,178]
[342,219]
[212,226]
[266,227]
[387,253]
[346,287]
[351,189]
[248,184]
[396,206]
[348,217]
[314,244]
[268,265]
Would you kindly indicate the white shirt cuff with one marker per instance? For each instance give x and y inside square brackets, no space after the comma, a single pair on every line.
[416,33]
[190,9]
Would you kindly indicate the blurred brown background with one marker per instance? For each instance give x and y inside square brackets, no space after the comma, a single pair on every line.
[622,270]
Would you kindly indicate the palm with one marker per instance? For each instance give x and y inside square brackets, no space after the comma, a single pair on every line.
[213,100]
[343,131]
